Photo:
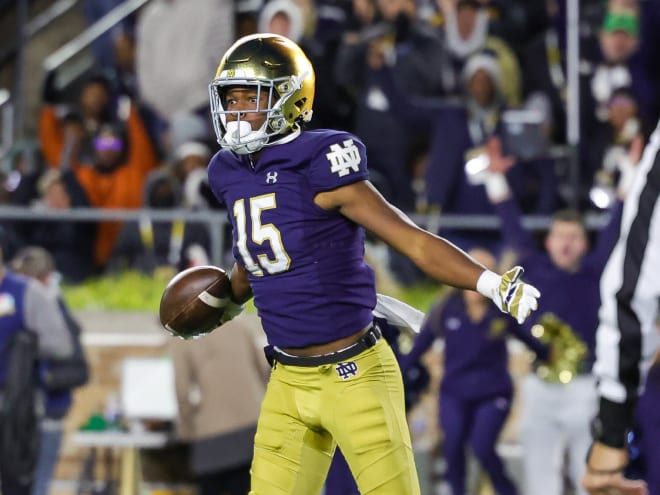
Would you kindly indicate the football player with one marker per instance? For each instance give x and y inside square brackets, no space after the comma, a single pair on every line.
[299,201]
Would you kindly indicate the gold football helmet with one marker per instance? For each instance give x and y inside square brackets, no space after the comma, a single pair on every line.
[271,63]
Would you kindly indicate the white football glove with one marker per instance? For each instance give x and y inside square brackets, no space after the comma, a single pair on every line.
[508,293]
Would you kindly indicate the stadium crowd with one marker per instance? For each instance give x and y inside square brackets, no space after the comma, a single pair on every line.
[428,86]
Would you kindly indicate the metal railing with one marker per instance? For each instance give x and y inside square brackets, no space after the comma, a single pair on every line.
[31,27]
[43,19]
[216,221]
[6,128]
[84,39]
[28,28]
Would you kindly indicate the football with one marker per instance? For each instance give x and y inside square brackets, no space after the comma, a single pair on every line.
[193,301]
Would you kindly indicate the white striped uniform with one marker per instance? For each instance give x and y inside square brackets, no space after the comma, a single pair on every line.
[627,336]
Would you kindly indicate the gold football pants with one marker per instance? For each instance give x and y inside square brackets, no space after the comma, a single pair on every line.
[357,404]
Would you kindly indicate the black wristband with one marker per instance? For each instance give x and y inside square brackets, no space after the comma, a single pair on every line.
[614,438]
[611,425]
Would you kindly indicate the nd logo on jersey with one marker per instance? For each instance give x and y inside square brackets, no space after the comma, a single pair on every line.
[344,158]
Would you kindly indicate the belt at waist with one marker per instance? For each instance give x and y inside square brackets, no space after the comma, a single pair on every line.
[369,339]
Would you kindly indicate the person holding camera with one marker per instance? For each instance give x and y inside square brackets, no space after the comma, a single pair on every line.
[422,65]
[57,378]
[33,331]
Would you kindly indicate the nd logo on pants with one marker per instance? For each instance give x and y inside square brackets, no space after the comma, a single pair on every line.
[357,404]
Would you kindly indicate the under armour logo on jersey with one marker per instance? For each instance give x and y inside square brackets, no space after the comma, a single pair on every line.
[347,370]
[271,177]
[344,159]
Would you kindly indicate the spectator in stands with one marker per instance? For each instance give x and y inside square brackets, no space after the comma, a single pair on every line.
[184,128]
[26,165]
[302,22]
[556,412]
[181,84]
[191,167]
[67,129]
[26,305]
[123,75]
[420,66]
[123,156]
[70,242]
[466,33]
[544,67]
[218,408]
[171,245]
[59,378]
[610,146]
[461,132]
[104,46]
[19,188]
[192,158]
[114,57]
[619,66]
[476,389]
[282,17]
[123,72]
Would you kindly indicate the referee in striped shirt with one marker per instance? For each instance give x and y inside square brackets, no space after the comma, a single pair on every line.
[627,336]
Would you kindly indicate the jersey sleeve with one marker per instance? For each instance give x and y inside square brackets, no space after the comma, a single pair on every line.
[340,159]
[214,175]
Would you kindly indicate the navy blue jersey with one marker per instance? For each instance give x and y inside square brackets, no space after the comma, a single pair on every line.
[12,315]
[306,265]
[475,356]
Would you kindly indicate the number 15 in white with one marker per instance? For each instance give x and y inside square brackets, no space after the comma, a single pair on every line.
[260,233]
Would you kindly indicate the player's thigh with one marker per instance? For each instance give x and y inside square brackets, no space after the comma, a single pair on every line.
[370,426]
[289,458]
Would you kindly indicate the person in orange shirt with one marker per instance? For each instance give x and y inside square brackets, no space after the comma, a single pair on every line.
[122,157]
[66,129]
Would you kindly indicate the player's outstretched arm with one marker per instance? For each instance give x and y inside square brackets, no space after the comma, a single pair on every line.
[437,257]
